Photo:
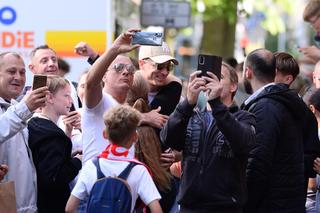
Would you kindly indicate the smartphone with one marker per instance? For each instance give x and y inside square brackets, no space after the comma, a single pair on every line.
[209,63]
[148,38]
[39,81]
[72,108]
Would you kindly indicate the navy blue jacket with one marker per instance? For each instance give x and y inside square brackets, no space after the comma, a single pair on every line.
[275,172]
[215,155]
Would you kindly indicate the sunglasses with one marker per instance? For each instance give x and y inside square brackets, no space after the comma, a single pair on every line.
[167,65]
[120,67]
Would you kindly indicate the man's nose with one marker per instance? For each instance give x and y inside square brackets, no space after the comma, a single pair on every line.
[51,62]
[18,76]
[164,71]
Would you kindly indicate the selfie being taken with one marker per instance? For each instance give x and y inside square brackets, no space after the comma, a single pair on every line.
[160,106]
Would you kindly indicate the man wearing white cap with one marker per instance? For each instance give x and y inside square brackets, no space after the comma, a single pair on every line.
[155,64]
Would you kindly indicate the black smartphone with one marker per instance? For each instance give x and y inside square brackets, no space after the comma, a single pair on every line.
[148,38]
[39,81]
[209,63]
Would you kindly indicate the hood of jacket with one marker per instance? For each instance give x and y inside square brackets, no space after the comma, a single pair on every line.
[282,94]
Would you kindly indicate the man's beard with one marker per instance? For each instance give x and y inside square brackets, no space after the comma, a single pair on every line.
[247,86]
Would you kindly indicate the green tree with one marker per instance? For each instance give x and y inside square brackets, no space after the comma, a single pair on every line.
[219,19]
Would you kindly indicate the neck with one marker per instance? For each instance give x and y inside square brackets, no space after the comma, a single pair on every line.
[256,85]
[50,114]
[228,101]
[153,88]
[119,95]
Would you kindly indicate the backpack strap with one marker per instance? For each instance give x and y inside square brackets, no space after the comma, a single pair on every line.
[125,173]
[97,164]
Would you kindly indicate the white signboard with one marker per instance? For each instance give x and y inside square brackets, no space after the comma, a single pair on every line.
[165,13]
[26,24]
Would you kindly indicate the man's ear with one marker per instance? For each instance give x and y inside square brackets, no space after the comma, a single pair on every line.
[105,134]
[289,79]
[49,98]
[31,68]
[312,108]
[135,136]
[248,73]
[141,63]
[233,87]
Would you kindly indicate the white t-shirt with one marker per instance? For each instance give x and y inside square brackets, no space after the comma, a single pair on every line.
[139,180]
[92,127]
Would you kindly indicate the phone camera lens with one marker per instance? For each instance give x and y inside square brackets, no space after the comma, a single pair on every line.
[201,60]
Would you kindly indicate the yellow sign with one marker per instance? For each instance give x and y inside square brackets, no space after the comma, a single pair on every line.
[63,42]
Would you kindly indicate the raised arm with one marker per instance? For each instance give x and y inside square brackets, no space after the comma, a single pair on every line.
[93,88]
[174,131]
[14,119]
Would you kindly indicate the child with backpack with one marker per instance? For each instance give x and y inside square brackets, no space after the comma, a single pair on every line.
[114,180]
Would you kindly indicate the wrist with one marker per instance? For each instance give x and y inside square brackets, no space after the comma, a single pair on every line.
[92,59]
[93,56]
[114,50]
[191,101]
[68,132]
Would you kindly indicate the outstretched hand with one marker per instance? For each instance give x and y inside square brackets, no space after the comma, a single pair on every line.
[123,43]
[154,118]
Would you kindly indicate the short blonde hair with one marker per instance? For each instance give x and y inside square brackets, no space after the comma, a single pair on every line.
[121,122]
[55,82]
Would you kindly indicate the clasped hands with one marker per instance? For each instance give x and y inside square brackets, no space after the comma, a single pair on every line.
[210,85]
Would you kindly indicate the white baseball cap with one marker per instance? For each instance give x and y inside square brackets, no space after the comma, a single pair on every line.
[158,54]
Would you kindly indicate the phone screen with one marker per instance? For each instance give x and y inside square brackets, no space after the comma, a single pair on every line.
[148,38]
[39,81]
[209,63]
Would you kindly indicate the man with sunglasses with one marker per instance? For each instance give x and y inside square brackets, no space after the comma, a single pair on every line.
[115,71]
[311,14]
[155,63]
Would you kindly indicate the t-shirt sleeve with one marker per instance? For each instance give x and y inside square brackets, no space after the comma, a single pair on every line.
[99,109]
[87,178]
[146,189]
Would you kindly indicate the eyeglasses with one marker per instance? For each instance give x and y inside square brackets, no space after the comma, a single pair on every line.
[167,65]
[120,67]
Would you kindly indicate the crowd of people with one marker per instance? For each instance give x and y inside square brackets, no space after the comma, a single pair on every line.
[66,145]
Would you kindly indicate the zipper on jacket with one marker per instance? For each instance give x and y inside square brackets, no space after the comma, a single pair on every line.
[202,139]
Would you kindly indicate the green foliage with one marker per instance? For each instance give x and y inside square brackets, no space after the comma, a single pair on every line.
[274,12]
[218,9]
[227,9]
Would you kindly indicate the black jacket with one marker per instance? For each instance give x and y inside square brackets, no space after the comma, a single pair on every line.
[275,172]
[214,156]
[51,152]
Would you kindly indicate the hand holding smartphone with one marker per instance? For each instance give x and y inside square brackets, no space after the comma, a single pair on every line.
[148,38]
[209,63]
[39,81]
